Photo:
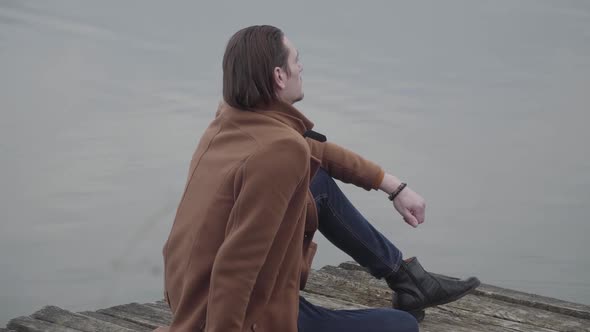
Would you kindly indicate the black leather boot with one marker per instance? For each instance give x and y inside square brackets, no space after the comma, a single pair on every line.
[415,289]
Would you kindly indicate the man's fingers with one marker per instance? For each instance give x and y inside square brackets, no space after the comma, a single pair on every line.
[420,215]
[410,219]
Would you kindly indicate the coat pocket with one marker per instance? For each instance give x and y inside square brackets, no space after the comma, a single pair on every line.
[167,298]
[313,247]
[306,263]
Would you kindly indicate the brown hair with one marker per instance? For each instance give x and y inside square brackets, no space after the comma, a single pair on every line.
[248,63]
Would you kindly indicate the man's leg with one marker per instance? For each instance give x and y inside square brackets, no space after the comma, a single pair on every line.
[343,225]
[317,319]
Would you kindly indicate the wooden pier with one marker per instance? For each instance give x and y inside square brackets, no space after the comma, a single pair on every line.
[347,286]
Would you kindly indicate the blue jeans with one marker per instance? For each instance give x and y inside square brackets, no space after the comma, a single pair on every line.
[342,224]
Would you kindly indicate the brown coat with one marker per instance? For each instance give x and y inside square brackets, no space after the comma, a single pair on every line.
[241,247]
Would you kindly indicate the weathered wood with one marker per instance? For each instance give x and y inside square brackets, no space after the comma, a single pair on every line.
[326,284]
[117,321]
[29,324]
[512,296]
[162,315]
[535,301]
[348,287]
[139,314]
[489,321]
[330,302]
[356,284]
[430,325]
[80,322]
[522,314]
[438,320]
[533,309]
[156,305]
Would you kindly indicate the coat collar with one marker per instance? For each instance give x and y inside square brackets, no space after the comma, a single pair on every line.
[281,112]
[288,115]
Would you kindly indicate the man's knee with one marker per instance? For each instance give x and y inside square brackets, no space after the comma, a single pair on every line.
[401,321]
[408,323]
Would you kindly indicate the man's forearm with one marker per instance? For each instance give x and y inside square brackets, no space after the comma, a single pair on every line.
[389,183]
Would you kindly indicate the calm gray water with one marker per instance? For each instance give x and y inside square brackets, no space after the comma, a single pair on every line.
[482,107]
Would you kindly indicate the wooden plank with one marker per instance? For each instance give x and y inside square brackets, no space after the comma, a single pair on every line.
[535,301]
[484,319]
[354,287]
[117,321]
[492,307]
[330,285]
[330,302]
[348,287]
[529,300]
[503,324]
[320,300]
[437,319]
[139,314]
[80,322]
[29,324]
[158,306]
[336,304]
[155,314]
[525,311]
[517,297]
[521,314]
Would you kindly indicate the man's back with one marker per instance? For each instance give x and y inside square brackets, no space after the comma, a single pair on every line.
[224,240]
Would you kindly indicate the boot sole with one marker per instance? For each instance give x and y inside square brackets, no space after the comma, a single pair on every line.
[434,304]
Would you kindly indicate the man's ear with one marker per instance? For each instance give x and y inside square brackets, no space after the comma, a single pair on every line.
[280,77]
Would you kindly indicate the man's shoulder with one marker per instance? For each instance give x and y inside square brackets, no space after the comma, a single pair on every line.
[262,129]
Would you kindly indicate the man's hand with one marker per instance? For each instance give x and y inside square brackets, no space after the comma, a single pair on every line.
[409,204]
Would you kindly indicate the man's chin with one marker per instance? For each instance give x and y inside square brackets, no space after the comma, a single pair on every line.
[300,98]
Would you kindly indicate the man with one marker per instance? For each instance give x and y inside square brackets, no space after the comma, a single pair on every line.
[241,247]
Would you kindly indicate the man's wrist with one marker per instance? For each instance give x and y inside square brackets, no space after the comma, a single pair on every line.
[399,189]
[390,183]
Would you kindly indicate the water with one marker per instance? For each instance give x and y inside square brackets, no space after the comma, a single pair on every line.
[481,107]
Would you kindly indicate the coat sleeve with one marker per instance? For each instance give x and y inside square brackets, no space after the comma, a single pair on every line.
[346,165]
[269,179]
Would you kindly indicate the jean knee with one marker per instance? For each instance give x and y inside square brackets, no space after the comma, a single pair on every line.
[407,323]
[401,321]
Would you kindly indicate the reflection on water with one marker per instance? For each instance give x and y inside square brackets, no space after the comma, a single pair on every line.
[482,108]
